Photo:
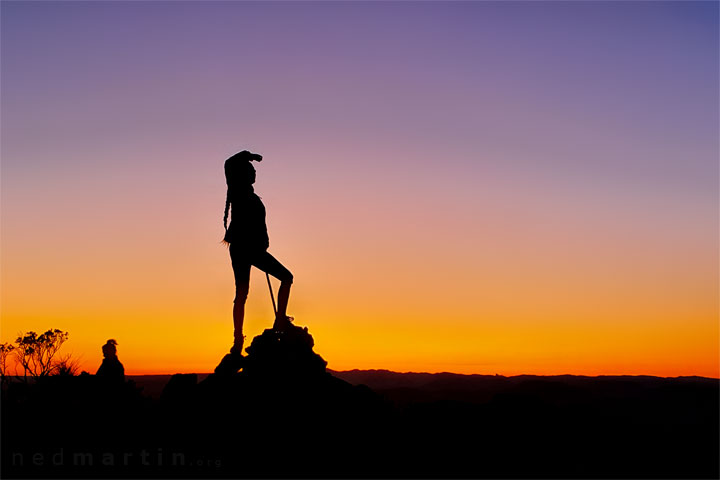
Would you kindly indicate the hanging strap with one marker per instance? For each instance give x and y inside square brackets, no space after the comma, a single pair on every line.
[272,297]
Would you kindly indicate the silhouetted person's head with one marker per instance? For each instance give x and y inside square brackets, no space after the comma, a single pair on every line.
[239,172]
[109,349]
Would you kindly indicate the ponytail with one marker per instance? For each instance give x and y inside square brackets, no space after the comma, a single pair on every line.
[225,218]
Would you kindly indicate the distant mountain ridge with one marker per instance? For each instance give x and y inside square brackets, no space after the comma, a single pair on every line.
[381,379]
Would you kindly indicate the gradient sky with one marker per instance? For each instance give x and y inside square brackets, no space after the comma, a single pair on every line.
[473,187]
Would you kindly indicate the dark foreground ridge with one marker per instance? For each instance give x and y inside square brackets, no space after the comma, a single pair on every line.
[283,414]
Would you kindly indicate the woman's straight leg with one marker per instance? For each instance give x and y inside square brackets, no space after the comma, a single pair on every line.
[241,270]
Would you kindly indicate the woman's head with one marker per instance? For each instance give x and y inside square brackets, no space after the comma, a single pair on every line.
[239,172]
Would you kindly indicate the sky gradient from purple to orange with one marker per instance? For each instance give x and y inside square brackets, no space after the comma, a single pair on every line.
[475,187]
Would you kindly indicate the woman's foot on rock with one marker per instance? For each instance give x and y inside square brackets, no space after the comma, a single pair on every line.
[283,323]
[237,347]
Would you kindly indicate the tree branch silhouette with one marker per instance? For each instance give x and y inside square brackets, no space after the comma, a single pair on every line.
[36,353]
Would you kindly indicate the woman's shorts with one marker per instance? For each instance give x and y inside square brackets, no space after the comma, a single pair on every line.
[242,259]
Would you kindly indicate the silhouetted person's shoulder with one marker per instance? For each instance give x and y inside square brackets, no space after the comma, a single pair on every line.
[112,369]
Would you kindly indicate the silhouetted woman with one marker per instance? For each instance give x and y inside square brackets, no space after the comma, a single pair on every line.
[248,239]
